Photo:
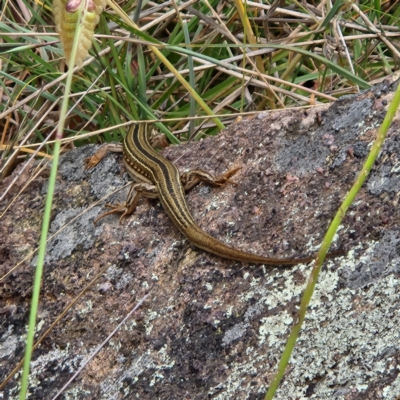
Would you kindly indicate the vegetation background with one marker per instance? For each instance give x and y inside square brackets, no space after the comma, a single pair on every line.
[238,58]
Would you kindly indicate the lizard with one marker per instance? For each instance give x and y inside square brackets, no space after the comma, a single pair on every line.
[157,177]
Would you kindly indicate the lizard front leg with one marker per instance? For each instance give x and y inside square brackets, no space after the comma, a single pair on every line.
[101,153]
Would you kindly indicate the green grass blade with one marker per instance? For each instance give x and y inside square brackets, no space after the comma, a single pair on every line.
[192,79]
[169,65]
[332,13]
[46,218]
[330,64]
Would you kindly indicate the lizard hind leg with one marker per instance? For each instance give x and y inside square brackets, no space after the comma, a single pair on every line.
[136,191]
[193,177]
[224,178]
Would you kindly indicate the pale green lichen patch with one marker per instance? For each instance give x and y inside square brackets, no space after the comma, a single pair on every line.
[159,362]
[274,327]
[348,340]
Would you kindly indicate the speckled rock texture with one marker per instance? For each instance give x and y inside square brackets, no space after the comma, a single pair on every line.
[213,328]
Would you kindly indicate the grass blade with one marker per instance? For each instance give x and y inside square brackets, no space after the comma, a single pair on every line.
[47,212]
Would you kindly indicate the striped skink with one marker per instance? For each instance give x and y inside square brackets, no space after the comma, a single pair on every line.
[156,177]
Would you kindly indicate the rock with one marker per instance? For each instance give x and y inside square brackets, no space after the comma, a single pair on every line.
[214,328]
